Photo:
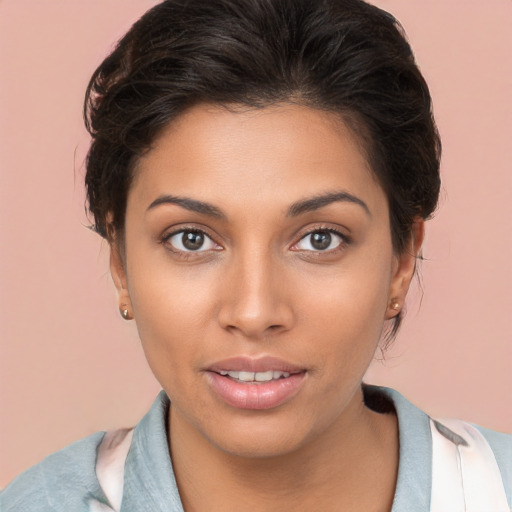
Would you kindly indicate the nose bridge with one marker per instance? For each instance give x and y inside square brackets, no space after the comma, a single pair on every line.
[254,300]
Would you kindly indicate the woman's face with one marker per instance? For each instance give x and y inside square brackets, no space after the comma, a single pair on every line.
[259,268]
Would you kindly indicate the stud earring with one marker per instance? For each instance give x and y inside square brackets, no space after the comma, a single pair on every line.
[125,312]
[395,304]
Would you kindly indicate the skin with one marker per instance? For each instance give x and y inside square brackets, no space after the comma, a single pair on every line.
[258,287]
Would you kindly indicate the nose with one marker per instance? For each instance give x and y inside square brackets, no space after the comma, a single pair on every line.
[255,299]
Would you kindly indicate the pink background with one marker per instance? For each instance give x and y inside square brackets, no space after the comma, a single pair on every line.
[71,366]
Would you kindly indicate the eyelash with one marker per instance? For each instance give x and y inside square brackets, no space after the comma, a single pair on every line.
[345,240]
[186,229]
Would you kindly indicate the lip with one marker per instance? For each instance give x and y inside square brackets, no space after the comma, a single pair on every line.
[255,395]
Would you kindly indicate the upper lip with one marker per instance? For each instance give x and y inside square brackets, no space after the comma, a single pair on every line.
[249,364]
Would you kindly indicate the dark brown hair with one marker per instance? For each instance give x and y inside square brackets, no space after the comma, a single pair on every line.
[344,56]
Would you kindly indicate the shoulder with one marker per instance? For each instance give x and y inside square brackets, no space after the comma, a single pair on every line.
[66,480]
[501,445]
[63,481]
[415,466]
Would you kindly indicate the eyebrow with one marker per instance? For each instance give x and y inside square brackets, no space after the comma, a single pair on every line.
[319,201]
[296,209]
[192,205]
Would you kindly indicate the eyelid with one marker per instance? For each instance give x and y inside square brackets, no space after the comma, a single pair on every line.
[345,240]
[165,239]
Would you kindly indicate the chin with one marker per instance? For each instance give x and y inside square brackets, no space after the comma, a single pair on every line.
[263,435]
[258,446]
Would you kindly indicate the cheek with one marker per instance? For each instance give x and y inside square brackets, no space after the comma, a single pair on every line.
[350,301]
[344,322]
[166,293]
[172,307]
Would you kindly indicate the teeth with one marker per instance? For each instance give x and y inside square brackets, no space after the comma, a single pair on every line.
[255,376]
[246,376]
[264,376]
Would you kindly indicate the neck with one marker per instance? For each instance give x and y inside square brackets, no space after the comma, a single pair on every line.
[352,465]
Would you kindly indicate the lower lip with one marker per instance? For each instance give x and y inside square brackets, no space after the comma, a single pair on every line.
[256,396]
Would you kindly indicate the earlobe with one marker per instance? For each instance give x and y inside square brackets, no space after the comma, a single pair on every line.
[118,273]
[404,270]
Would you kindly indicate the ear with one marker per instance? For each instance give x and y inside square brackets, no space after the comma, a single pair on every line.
[117,270]
[403,271]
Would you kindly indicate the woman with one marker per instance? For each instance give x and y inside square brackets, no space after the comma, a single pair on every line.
[262,171]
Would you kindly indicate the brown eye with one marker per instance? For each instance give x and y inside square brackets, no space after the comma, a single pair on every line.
[191,241]
[321,240]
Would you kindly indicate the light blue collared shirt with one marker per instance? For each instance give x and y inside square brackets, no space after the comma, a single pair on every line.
[66,480]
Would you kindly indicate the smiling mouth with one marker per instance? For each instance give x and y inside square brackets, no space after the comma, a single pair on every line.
[257,384]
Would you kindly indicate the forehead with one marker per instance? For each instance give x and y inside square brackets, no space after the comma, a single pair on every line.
[264,155]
